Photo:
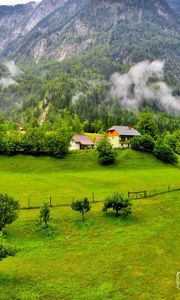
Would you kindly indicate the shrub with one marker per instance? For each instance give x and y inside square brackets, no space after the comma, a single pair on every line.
[83,206]
[106,152]
[164,152]
[6,250]
[171,140]
[8,210]
[178,148]
[147,142]
[118,203]
[57,144]
[135,142]
[144,142]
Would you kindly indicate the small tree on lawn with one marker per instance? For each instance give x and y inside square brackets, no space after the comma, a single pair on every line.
[118,203]
[83,206]
[106,152]
[8,210]
[45,214]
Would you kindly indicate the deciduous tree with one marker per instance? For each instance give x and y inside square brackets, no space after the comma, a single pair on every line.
[105,151]
[83,206]
[8,210]
[118,203]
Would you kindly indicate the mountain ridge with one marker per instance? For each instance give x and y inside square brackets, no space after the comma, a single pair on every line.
[132,30]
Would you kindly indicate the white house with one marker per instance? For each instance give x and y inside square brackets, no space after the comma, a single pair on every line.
[79,142]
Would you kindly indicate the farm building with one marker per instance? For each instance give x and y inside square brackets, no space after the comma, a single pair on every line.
[120,136]
[79,142]
[97,139]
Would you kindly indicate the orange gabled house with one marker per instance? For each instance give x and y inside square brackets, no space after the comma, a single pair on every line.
[120,136]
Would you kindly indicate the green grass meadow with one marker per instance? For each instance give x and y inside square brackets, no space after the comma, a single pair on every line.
[106,257]
[79,175]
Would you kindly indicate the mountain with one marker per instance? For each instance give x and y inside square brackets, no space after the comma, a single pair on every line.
[90,39]
[130,30]
[12,21]
[16,21]
[175,4]
[42,10]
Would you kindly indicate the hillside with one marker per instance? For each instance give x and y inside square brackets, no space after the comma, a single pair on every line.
[135,257]
[76,26]
[80,174]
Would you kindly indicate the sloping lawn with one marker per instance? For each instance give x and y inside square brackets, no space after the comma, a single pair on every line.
[104,258]
[79,175]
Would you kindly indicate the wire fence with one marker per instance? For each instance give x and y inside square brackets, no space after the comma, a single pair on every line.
[134,195]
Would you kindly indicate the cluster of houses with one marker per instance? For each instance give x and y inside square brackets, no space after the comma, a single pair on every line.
[119,136]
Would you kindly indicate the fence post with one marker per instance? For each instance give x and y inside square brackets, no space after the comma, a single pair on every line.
[29,204]
[50,201]
[128,194]
[169,187]
[145,194]
[93,197]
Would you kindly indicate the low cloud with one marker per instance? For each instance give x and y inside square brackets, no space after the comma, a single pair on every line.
[144,85]
[77,97]
[14,71]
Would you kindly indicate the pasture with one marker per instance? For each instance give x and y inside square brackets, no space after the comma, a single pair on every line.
[79,175]
[104,258]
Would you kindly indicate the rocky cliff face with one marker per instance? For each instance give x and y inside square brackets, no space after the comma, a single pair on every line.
[16,21]
[42,10]
[12,21]
[175,4]
[131,30]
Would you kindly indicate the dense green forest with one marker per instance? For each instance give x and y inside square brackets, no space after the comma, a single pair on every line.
[76,90]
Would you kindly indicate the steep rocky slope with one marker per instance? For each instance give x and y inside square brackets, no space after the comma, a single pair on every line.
[12,21]
[175,4]
[16,21]
[128,30]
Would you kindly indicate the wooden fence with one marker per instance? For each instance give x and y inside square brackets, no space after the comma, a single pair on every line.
[134,195]
[137,195]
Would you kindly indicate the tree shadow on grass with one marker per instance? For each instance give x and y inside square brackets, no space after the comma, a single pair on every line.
[120,219]
[49,232]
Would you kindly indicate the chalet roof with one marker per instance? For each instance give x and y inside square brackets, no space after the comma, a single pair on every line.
[125,130]
[82,139]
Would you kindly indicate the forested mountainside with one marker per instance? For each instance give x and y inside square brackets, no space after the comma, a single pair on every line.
[88,91]
[131,31]
[77,53]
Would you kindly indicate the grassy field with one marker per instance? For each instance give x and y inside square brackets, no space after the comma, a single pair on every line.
[106,257]
[78,175]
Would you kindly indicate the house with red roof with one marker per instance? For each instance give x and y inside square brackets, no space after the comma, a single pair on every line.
[80,142]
